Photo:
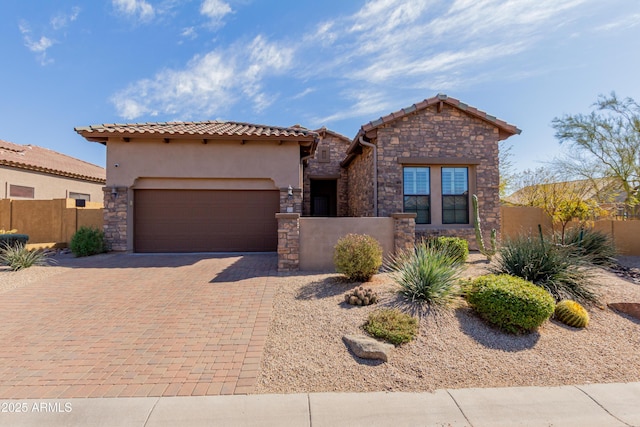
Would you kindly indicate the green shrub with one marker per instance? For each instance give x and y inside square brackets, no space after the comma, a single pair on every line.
[558,269]
[358,257]
[456,247]
[17,256]
[13,239]
[597,247]
[88,241]
[511,303]
[392,326]
[426,273]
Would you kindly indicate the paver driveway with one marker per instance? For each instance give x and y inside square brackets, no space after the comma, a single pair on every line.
[138,325]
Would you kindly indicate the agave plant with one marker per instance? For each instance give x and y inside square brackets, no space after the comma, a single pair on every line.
[18,257]
[558,269]
[426,273]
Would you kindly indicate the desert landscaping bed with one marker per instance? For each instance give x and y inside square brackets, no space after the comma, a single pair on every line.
[304,351]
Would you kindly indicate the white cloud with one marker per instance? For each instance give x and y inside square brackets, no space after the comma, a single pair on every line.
[208,84]
[623,23]
[61,20]
[364,103]
[37,46]
[215,9]
[391,45]
[383,51]
[304,93]
[189,32]
[135,8]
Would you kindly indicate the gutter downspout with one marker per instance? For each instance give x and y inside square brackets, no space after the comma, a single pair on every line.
[375,173]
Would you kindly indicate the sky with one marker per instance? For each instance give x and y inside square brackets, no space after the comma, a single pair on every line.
[333,63]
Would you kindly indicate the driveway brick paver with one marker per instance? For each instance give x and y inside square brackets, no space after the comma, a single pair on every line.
[125,325]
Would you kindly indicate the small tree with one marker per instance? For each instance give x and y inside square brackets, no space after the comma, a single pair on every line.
[605,144]
[561,200]
[569,210]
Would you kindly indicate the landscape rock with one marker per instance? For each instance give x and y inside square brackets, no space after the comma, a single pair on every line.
[630,308]
[368,348]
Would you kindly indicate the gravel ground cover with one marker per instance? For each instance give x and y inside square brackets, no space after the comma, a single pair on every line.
[455,349]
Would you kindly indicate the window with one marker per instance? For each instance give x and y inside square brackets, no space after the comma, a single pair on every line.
[324,155]
[455,195]
[21,191]
[416,193]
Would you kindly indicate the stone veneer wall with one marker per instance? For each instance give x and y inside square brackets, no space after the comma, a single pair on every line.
[291,204]
[427,133]
[337,149]
[404,229]
[115,217]
[288,241]
[360,185]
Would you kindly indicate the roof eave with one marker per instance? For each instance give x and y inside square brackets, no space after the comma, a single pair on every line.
[49,171]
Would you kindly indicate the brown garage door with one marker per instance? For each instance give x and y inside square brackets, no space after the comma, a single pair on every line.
[205,221]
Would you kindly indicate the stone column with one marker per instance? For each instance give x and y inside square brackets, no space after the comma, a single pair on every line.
[288,241]
[116,200]
[404,231]
[293,203]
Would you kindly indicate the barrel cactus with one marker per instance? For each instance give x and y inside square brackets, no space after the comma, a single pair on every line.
[361,296]
[571,314]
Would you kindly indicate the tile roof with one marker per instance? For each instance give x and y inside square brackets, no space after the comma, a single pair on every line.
[502,125]
[506,130]
[100,133]
[39,159]
[323,131]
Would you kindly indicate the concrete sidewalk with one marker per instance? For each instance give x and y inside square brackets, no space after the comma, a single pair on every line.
[588,405]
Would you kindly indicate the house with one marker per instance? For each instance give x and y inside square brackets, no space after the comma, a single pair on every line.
[428,159]
[217,186]
[32,172]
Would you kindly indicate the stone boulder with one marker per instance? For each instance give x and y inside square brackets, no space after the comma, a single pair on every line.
[368,348]
[630,308]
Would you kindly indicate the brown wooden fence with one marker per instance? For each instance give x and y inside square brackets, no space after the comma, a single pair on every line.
[49,221]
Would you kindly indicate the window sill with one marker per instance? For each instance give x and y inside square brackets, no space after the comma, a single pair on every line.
[420,227]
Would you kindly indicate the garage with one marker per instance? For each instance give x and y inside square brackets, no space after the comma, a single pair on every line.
[205,220]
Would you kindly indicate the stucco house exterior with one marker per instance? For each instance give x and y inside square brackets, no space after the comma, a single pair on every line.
[205,186]
[32,172]
[218,186]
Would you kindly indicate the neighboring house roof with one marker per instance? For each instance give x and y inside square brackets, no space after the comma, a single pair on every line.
[39,159]
[506,130]
[208,129]
[603,190]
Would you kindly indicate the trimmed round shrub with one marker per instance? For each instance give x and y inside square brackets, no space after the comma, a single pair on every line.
[456,247]
[426,273]
[358,257]
[558,269]
[571,314]
[392,325]
[88,241]
[510,303]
